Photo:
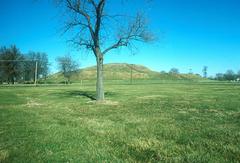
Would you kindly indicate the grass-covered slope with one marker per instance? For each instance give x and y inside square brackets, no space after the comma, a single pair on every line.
[168,122]
[119,71]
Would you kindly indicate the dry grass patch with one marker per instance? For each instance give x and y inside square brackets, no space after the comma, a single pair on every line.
[32,103]
[152,97]
[105,102]
[3,155]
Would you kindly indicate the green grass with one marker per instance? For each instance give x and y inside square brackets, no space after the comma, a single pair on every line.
[164,122]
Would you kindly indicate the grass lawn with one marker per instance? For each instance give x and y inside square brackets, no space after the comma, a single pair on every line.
[167,122]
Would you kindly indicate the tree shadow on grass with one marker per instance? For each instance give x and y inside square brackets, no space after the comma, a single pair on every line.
[89,94]
[76,93]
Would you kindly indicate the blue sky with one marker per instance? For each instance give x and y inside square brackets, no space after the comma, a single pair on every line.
[192,33]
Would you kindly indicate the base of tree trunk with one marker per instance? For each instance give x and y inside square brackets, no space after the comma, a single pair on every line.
[99,84]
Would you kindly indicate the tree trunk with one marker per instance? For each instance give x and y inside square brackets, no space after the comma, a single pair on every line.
[12,80]
[100,87]
[68,80]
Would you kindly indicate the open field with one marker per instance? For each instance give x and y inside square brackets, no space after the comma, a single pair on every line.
[164,122]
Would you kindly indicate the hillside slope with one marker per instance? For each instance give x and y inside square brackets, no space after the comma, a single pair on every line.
[123,71]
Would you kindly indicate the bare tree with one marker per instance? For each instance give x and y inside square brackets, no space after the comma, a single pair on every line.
[219,76]
[174,71]
[100,32]
[67,66]
[43,65]
[11,69]
[229,75]
[238,74]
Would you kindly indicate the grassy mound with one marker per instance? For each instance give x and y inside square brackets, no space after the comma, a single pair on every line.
[123,71]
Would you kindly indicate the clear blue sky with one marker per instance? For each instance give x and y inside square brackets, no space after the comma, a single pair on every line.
[192,33]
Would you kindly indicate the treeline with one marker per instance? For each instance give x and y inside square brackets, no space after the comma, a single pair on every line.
[16,67]
[229,75]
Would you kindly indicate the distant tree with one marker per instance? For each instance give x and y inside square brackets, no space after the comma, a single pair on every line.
[67,67]
[205,69]
[219,76]
[229,75]
[163,72]
[11,68]
[198,75]
[2,74]
[238,74]
[1,66]
[29,67]
[211,78]
[101,31]
[174,71]
[42,65]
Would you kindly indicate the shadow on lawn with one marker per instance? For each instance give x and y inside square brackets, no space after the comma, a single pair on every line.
[88,94]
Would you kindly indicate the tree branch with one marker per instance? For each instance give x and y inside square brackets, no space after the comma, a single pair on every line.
[136,31]
[76,8]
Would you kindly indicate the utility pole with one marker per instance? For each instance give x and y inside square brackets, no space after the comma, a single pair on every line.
[205,69]
[131,72]
[36,73]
